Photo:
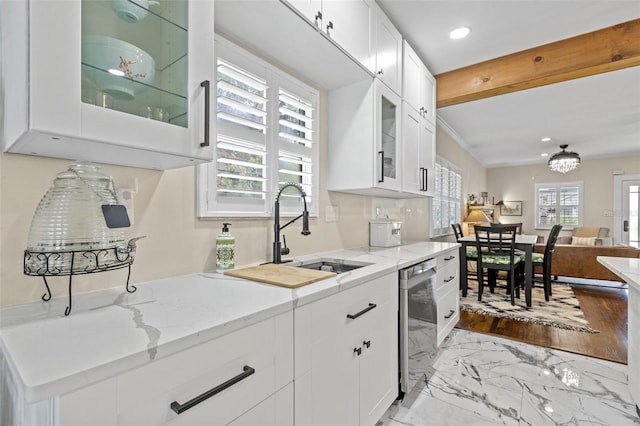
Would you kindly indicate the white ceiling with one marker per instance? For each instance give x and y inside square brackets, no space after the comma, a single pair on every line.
[598,116]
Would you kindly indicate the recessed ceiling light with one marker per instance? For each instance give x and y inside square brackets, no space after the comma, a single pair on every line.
[460,32]
[116,72]
[547,139]
[544,154]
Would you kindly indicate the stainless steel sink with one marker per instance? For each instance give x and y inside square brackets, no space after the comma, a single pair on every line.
[338,266]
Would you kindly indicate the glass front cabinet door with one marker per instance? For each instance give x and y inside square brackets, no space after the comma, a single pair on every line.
[388,116]
[113,81]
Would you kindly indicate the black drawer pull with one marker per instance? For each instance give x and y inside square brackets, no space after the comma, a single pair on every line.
[180,408]
[449,315]
[449,279]
[366,344]
[357,351]
[207,104]
[449,258]
[362,312]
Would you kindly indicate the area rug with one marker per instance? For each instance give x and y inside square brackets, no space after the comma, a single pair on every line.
[562,310]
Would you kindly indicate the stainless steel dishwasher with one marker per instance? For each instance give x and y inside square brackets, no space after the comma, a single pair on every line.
[418,325]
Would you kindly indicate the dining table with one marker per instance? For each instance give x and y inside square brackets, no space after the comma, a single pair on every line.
[525,243]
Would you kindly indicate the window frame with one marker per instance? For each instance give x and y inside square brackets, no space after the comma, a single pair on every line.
[559,186]
[209,205]
[448,200]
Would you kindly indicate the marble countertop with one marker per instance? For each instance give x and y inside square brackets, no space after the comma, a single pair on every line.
[627,268]
[112,331]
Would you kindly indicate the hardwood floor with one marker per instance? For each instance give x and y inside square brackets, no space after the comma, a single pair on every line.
[604,307]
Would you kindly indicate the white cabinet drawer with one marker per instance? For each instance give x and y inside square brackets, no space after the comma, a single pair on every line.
[145,395]
[448,258]
[447,274]
[448,312]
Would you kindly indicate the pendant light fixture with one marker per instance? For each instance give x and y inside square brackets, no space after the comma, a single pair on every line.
[564,161]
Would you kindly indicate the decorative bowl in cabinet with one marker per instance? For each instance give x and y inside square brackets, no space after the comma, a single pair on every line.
[118,68]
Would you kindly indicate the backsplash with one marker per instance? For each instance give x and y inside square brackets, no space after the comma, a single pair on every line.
[176,241]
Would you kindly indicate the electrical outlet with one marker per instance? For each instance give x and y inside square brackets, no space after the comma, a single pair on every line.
[331,214]
[125,196]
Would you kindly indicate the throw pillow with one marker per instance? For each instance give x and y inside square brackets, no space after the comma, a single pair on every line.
[583,241]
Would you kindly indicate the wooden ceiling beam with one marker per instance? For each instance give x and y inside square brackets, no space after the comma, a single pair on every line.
[605,50]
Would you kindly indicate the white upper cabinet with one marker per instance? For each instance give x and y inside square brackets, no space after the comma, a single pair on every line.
[294,33]
[364,154]
[109,81]
[388,52]
[418,85]
[348,23]
[418,121]
[418,153]
[312,9]
[429,96]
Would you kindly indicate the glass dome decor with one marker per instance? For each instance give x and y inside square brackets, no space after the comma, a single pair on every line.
[70,234]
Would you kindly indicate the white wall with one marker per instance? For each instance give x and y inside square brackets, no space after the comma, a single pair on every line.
[518,183]
[474,174]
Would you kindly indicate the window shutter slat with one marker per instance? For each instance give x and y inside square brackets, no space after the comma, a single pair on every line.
[294,114]
[241,121]
[242,77]
[224,86]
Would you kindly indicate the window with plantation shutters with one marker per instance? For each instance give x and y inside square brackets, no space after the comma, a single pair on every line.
[447,201]
[559,203]
[296,144]
[265,137]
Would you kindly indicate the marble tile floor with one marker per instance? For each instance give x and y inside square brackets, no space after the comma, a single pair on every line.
[487,380]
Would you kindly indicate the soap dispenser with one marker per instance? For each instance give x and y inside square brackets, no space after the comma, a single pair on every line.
[225,245]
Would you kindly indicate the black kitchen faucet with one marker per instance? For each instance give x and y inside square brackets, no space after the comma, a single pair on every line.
[278,250]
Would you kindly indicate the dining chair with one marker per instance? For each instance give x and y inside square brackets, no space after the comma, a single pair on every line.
[544,260]
[520,277]
[518,226]
[457,230]
[496,249]
[472,253]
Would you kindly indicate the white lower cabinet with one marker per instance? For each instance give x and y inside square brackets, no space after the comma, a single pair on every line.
[344,348]
[277,410]
[447,294]
[249,369]
[346,355]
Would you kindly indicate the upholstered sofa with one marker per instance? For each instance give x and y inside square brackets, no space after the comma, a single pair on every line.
[587,236]
[579,261]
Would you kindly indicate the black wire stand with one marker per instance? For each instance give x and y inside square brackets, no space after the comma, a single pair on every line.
[80,262]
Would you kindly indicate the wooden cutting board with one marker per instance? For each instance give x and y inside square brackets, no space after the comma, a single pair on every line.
[281,275]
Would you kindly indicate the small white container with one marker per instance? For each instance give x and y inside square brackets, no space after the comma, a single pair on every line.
[385,233]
